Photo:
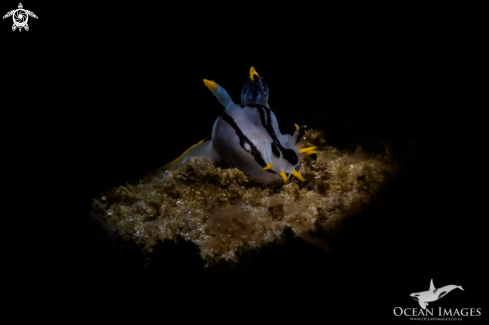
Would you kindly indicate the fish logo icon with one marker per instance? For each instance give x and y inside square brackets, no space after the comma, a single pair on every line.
[433,294]
[20,17]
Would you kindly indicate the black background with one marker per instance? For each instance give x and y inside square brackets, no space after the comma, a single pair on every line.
[95,97]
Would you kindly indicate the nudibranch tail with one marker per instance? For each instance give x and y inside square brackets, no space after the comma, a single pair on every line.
[201,150]
[183,154]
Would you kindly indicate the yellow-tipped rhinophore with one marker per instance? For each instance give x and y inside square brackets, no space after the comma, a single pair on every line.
[210,84]
[253,72]
[308,153]
[296,174]
[296,128]
[269,166]
[282,173]
[307,149]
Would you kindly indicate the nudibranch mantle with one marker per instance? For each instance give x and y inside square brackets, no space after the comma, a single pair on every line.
[247,136]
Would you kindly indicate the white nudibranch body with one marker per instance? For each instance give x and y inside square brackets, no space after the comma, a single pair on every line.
[247,136]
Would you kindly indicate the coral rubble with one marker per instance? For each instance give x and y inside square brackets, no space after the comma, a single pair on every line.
[222,210]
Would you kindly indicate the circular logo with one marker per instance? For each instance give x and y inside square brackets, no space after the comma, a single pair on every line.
[20,17]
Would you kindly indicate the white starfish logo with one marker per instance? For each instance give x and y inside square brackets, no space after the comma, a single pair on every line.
[20,17]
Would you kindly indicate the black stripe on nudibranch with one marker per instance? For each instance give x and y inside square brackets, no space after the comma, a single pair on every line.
[244,142]
[265,114]
[261,111]
[275,150]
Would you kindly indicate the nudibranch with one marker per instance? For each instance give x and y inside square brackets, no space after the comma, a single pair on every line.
[247,136]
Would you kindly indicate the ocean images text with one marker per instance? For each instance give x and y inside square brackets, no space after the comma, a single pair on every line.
[399,311]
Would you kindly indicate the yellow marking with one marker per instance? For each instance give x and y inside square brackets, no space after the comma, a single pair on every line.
[296,174]
[296,128]
[210,84]
[269,166]
[183,154]
[282,173]
[308,153]
[253,72]
[307,149]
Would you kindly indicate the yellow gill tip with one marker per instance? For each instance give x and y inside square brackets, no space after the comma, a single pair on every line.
[296,174]
[282,173]
[210,84]
[269,166]
[307,149]
[253,72]
[296,128]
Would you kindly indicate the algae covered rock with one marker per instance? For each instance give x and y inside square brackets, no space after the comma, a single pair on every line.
[222,210]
